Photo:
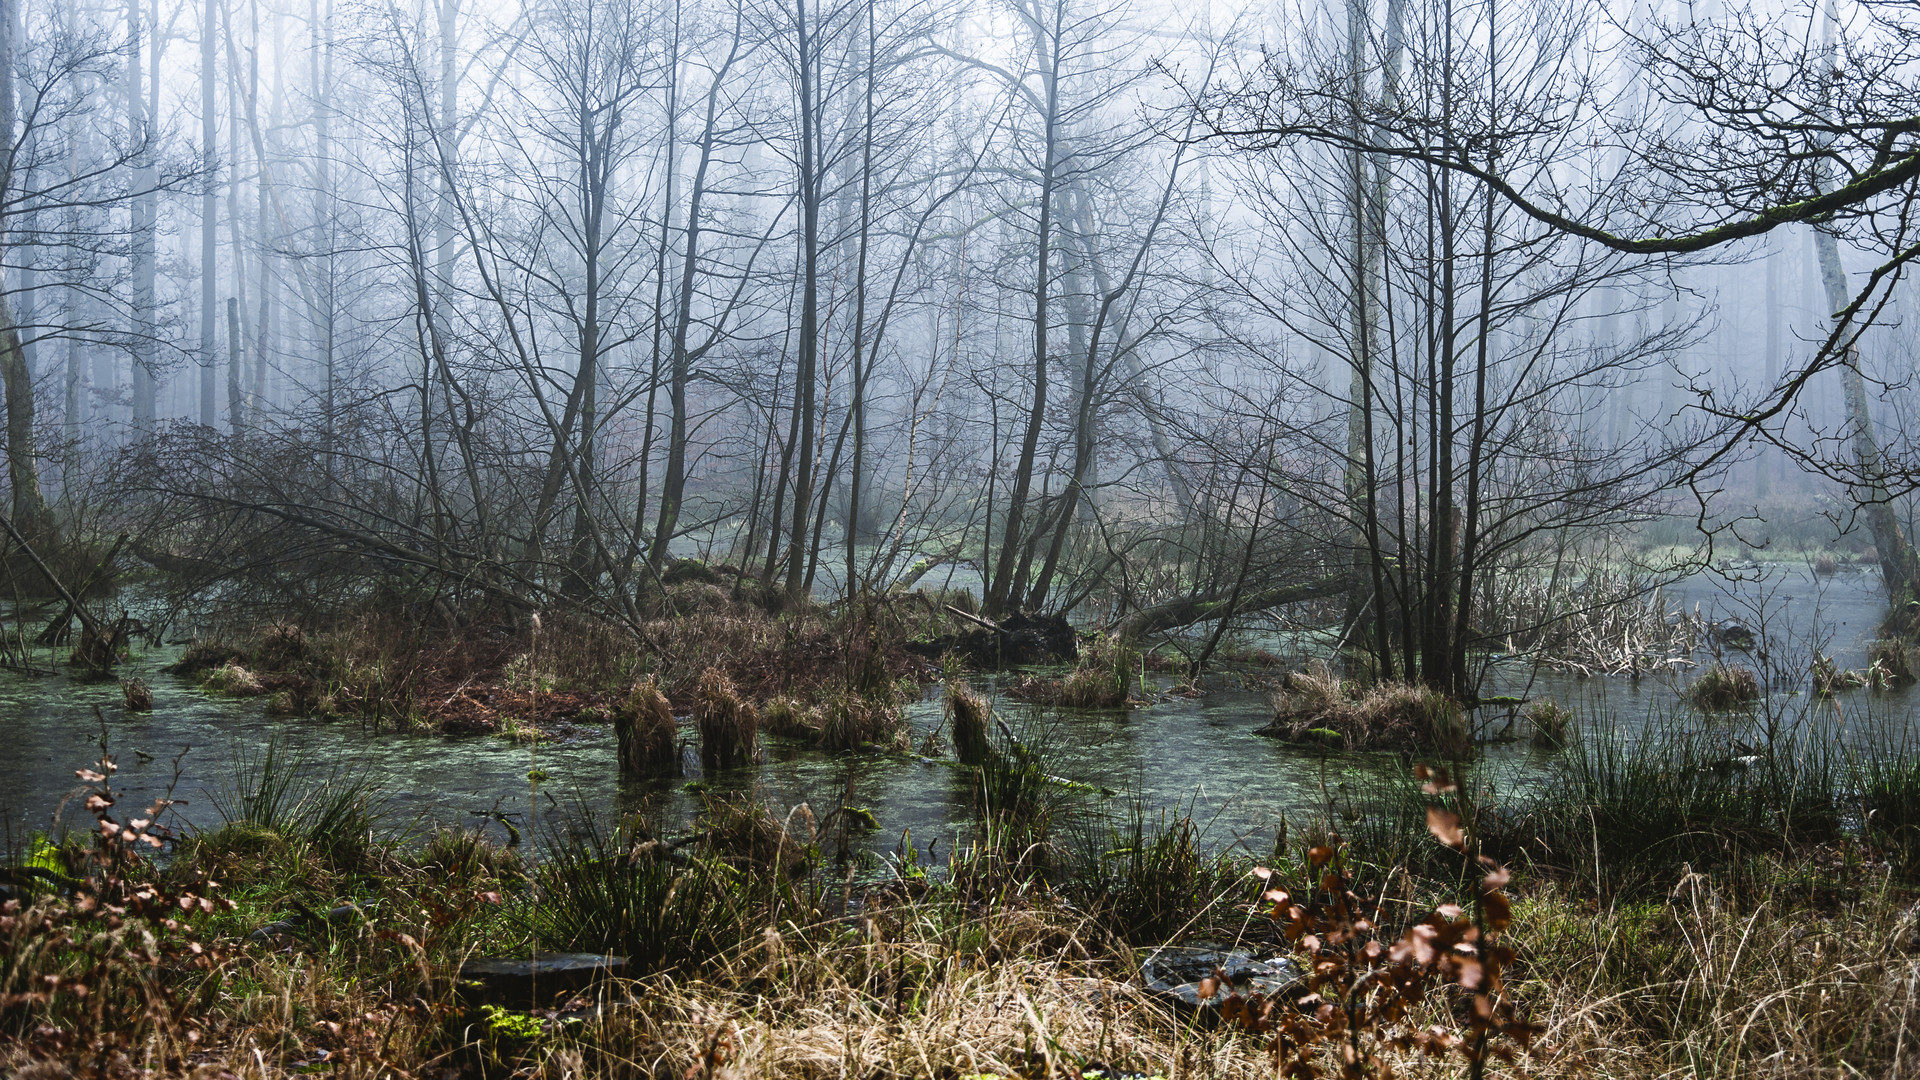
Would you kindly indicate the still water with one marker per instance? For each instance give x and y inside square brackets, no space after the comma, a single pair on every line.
[1199,753]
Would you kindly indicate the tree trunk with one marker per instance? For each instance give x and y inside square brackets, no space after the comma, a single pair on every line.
[1000,585]
[1898,567]
[29,509]
[146,205]
[806,373]
[236,397]
[673,482]
[209,216]
[16,378]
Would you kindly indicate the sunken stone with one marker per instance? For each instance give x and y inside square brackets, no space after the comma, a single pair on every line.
[535,982]
[1175,972]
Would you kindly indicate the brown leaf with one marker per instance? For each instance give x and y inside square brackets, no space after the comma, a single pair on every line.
[1444,824]
[1438,781]
[1498,909]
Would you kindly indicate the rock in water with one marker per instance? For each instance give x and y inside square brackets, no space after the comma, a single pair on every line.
[535,982]
[1175,972]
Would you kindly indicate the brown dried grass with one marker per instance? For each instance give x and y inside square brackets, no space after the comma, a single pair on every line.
[789,718]
[1315,707]
[644,732]
[729,727]
[853,721]
[1803,969]
[967,714]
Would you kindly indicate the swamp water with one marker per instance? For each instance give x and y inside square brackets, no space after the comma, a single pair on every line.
[1183,754]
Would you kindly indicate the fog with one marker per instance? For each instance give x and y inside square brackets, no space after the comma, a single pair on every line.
[1119,311]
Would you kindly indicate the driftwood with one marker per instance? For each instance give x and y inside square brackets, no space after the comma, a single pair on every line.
[1187,610]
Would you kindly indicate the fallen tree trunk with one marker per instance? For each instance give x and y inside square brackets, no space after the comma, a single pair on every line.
[1187,610]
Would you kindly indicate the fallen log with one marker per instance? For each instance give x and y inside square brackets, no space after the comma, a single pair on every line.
[1187,610]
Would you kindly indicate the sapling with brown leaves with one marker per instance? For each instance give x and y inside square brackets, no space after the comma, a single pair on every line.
[1365,987]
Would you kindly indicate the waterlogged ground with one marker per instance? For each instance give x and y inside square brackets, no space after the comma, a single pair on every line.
[1179,753]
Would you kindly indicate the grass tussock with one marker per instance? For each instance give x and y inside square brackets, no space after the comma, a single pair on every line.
[789,718]
[1892,662]
[1150,877]
[729,727]
[1722,687]
[966,714]
[1102,679]
[1317,708]
[1550,724]
[136,695]
[597,893]
[644,731]
[233,680]
[850,720]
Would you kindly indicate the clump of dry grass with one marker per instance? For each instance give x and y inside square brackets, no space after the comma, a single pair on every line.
[850,720]
[729,727]
[789,718]
[233,680]
[966,715]
[1597,623]
[1891,662]
[1317,708]
[1724,980]
[1722,687]
[643,731]
[1101,680]
[137,695]
[1551,723]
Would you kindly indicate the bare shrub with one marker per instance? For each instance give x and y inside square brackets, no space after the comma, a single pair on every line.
[1364,984]
[93,982]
